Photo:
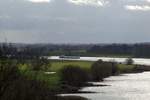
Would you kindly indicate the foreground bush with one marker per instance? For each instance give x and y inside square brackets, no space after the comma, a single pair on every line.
[8,73]
[102,69]
[23,89]
[14,86]
[74,75]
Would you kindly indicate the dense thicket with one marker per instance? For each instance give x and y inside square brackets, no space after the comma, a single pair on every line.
[74,75]
[101,69]
[14,86]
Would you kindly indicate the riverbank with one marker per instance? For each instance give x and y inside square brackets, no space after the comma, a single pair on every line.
[33,73]
[54,80]
[57,65]
[86,65]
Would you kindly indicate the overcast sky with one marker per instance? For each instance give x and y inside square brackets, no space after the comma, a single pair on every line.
[75,21]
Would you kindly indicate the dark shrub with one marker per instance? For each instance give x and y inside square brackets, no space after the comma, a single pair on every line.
[72,98]
[8,73]
[129,61]
[102,69]
[115,69]
[14,86]
[74,75]
[40,64]
[23,89]
[8,70]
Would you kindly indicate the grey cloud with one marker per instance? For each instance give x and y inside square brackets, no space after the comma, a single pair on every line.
[61,22]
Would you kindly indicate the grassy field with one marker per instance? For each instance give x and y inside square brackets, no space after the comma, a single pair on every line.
[58,65]
[123,68]
[53,80]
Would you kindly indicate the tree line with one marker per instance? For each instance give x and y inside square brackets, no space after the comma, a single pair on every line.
[30,51]
[133,50]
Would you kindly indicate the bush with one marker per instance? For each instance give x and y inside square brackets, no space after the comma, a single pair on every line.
[8,72]
[129,61]
[40,64]
[22,89]
[74,75]
[102,69]
[72,98]
[14,86]
[115,69]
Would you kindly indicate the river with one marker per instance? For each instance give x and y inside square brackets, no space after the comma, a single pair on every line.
[140,61]
[123,87]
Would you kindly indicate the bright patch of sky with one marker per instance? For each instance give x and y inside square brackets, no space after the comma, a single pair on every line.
[98,3]
[138,7]
[40,1]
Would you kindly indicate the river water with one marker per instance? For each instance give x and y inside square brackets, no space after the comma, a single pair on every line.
[141,61]
[123,87]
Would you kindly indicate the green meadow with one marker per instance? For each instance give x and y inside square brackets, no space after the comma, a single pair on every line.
[57,65]
[53,80]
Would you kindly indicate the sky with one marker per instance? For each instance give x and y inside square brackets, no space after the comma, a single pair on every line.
[75,21]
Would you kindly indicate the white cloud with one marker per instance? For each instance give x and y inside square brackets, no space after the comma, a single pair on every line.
[135,0]
[98,3]
[40,1]
[137,7]
[148,1]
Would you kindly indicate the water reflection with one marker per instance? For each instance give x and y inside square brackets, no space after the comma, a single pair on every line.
[124,87]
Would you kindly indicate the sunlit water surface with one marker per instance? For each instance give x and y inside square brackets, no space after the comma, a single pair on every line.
[123,87]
